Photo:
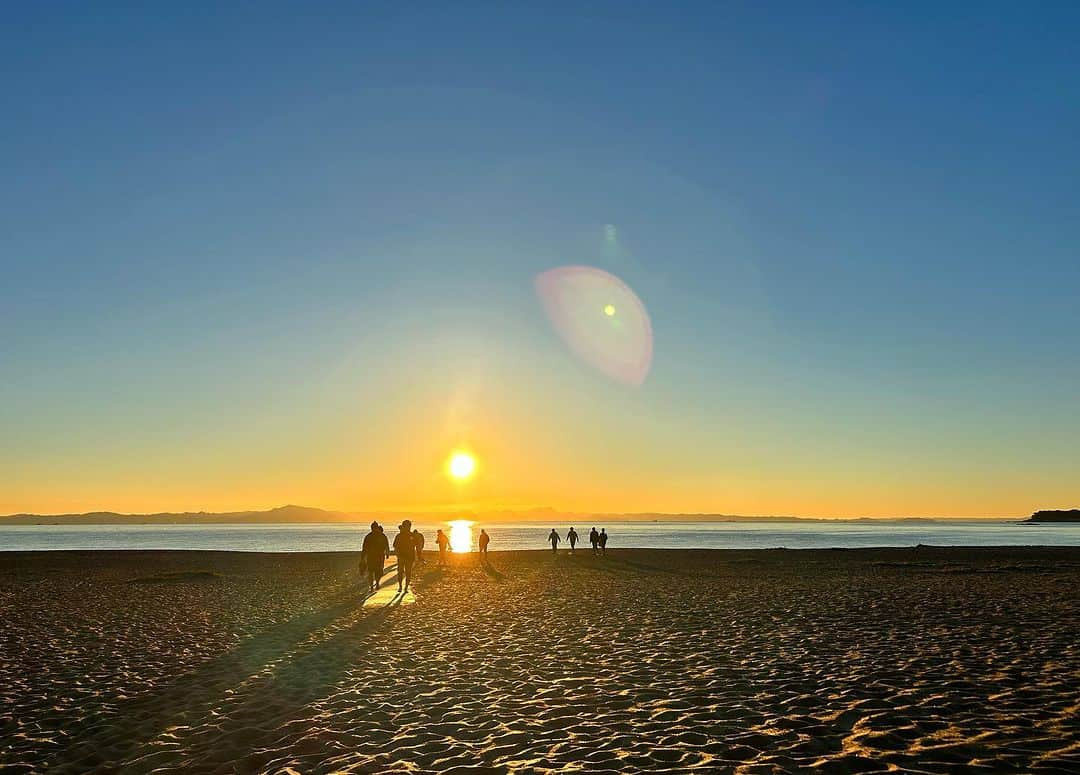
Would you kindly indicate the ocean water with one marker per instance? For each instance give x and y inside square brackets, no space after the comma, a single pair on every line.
[532,535]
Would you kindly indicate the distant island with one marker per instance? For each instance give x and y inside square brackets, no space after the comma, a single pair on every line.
[293,514]
[1055,515]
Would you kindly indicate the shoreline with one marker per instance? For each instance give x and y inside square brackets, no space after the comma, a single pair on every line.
[621,550]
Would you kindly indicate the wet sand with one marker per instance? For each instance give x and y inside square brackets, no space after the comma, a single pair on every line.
[919,660]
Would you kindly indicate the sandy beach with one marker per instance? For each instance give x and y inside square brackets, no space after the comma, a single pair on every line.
[919,660]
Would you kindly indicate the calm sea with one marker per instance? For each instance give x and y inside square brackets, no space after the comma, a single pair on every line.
[525,535]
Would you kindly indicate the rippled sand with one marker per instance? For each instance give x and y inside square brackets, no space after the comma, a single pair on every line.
[924,660]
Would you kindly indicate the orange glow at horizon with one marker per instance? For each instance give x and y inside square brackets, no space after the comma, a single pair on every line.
[566,442]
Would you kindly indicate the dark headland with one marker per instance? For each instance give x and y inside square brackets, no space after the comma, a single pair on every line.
[1056,515]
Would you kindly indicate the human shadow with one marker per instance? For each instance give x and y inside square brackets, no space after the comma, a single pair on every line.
[432,575]
[259,719]
[114,737]
[490,570]
[614,562]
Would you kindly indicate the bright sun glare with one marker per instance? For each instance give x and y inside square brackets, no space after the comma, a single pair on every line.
[461,465]
[461,535]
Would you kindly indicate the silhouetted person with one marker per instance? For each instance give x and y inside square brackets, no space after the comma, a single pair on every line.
[418,544]
[553,537]
[373,553]
[483,541]
[594,539]
[406,554]
[603,540]
[571,538]
[444,543]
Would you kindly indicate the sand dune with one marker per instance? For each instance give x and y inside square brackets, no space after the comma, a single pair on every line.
[645,661]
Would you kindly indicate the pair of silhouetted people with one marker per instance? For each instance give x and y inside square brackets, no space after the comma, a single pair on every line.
[373,554]
[408,546]
[443,540]
[376,549]
[598,541]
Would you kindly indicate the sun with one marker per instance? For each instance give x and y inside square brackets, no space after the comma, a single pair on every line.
[461,466]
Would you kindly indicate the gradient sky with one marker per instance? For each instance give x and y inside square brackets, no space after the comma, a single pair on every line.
[269,253]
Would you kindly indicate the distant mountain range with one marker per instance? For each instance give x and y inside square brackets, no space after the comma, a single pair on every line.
[282,514]
[303,514]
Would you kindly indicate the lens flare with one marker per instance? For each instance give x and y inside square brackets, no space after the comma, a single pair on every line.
[601,320]
[461,536]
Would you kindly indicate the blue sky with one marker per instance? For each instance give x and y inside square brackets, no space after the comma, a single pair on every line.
[244,248]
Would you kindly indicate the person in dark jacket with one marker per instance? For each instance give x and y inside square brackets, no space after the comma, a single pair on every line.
[373,554]
[418,543]
[553,537]
[405,550]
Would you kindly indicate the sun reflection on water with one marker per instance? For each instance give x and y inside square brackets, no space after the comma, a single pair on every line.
[461,535]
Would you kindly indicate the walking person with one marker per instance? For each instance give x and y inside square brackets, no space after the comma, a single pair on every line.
[443,541]
[418,544]
[571,538]
[483,541]
[603,540]
[406,554]
[553,537]
[373,554]
[594,539]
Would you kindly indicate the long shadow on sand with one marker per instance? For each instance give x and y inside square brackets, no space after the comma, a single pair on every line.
[114,738]
[266,718]
[432,575]
[614,563]
[491,570]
